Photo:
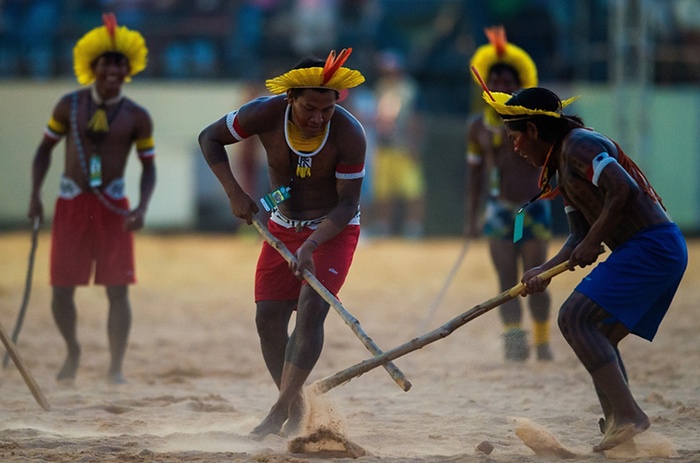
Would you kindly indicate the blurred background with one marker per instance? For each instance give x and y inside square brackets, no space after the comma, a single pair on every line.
[634,63]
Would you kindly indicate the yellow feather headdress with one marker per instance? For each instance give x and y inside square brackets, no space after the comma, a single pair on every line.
[497,101]
[498,50]
[332,75]
[104,39]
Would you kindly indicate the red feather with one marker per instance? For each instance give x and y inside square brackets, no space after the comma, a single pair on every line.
[333,64]
[497,38]
[483,84]
[110,22]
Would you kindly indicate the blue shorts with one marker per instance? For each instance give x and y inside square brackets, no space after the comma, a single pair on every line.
[637,282]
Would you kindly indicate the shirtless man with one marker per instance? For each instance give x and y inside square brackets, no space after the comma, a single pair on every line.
[92,223]
[513,182]
[315,154]
[608,201]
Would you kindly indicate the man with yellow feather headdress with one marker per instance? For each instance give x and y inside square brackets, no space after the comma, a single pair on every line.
[93,224]
[608,202]
[315,155]
[512,181]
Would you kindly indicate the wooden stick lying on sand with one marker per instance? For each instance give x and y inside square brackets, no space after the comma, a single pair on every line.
[349,319]
[326,384]
[24,371]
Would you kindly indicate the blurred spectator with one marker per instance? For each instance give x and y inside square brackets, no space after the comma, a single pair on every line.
[243,53]
[441,65]
[193,51]
[398,202]
[361,102]
[314,26]
[250,38]
[27,35]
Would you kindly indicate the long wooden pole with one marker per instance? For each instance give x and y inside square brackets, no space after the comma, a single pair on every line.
[438,299]
[27,290]
[349,319]
[324,385]
[24,371]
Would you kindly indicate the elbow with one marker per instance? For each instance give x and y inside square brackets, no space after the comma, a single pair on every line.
[206,144]
[632,194]
[202,138]
[574,239]
[625,198]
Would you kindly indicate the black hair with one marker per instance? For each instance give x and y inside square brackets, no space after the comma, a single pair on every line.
[500,68]
[310,62]
[114,55]
[550,129]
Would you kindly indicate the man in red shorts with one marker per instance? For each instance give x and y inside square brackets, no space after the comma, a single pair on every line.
[92,224]
[315,154]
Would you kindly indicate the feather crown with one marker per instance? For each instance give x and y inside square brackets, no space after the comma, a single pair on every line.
[499,102]
[332,76]
[499,50]
[105,39]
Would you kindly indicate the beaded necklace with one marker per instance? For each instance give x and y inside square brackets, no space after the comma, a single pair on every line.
[294,138]
[83,158]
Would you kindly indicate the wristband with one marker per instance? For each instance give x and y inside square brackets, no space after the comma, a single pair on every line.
[312,241]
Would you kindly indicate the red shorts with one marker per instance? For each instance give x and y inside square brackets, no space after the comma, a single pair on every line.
[274,281]
[84,232]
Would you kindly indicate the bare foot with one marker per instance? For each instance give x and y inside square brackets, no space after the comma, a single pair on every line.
[70,366]
[296,417]
[617,434]
[116,377]
[271,424]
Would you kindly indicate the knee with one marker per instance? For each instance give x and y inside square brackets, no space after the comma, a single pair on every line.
[62,297]
[118,294]
[262,320]
[272,317]
[565,319]
[312,313]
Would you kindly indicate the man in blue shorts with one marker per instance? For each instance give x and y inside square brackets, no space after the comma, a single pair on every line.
[609,202]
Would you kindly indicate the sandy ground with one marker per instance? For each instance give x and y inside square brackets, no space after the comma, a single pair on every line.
[197,384]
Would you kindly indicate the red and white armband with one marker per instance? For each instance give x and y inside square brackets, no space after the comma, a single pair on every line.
[349,171]
[235,127]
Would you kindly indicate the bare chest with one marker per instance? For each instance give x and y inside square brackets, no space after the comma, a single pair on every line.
[580,193]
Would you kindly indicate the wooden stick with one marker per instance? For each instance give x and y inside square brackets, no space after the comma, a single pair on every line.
[349,319]
[438,299]
[24,371]
[27,290]
[324,385]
